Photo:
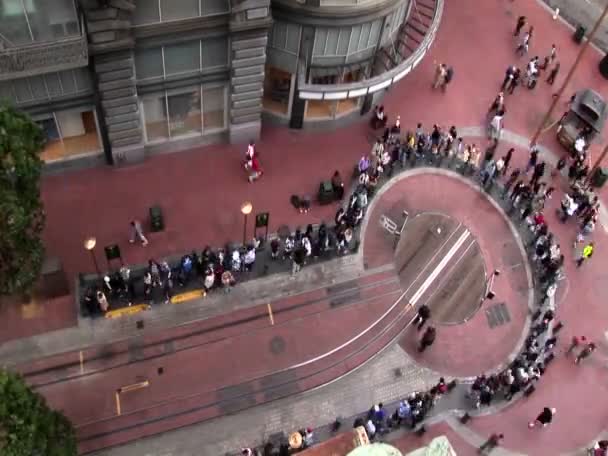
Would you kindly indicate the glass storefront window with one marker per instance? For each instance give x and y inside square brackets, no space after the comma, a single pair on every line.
[184,113]
[324,109]
[152,11]
[277,86]
[69,133]
[155,114]
[214,105]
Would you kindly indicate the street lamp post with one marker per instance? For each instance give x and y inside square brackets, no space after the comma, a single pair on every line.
[561,90]
[89,244]
[246,209]
[489,294]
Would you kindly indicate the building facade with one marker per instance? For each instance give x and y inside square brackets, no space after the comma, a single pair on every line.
[111,81]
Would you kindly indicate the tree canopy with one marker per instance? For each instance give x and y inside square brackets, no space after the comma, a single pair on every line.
[28,427]
[21,211]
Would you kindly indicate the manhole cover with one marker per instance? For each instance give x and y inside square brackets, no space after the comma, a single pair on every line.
[277,345]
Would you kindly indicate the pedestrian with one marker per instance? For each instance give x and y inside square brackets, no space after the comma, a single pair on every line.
[545,417]
[515,81]
[370,428]
[495,128]
[137,233]
[553,53]
[587,253]
[553,73]
[524,45]
[422,316]
[299,256]
[576,341]
[585,352]
[492,442]
[509,74]
[507,161]
[440,73]
[521,22]
[449,75]
[511,181]
[102,301]
[538,173]
[256,169]
[428,338]
[498,104]
[533,159]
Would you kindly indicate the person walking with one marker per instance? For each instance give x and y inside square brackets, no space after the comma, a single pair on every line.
[422,316]
[553,73]
[521,22]
[428,338]
[576,341]
[532,160]
[511,181]
[137,233]
[440,73]
[509,75]
[538,173]
[585,352]
[492,442]
[524,45]
[495,128]
[507,161]
[587,253]
[449,76]
[544,418]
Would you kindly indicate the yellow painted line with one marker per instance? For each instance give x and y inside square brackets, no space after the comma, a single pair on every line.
[117,313]
[270,314]
[134,386]
[117,398]
[81,362]
[188,296]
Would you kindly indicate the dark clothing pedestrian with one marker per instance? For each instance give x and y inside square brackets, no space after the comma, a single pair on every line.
[427,339]
[422,316]
[521,21]
[553,74]
[507,161]
[492,442]
[532,160]
[576,341]
[545,417]
[585,352]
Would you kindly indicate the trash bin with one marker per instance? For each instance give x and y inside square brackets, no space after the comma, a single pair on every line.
[579,34]
[326,193]
[599,178]
[157,222]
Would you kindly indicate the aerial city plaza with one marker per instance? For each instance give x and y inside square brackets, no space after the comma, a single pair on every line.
[312,227]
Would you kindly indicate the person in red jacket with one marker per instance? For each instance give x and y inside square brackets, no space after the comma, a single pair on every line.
[256,169]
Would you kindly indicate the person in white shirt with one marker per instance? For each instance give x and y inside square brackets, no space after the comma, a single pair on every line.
[249,258]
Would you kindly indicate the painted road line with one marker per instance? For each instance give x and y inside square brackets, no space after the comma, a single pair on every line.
[188,296]
[117,313]
[440,267]
[270,314]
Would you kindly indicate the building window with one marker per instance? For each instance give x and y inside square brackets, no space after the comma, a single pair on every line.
[347,44]
[153,11]
[47,86]
[155,114]
[184,112]
[182,58]
[177,113]
[26,21]
[331,109]
[69,134]
[214,108]
[277,87]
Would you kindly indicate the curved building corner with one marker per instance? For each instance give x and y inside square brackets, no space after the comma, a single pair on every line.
[113,81]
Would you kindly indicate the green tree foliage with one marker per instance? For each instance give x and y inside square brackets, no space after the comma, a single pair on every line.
[21,211]
[28,427]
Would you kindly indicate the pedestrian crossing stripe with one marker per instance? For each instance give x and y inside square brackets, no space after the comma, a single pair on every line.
[188,296]
[117,313]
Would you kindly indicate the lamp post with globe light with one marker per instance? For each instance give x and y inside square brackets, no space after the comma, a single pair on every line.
[246,209]
[89,244]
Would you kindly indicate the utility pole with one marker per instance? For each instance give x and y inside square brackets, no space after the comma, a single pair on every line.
[561,90]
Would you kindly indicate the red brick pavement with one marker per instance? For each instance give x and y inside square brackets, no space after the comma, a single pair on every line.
[201,191]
